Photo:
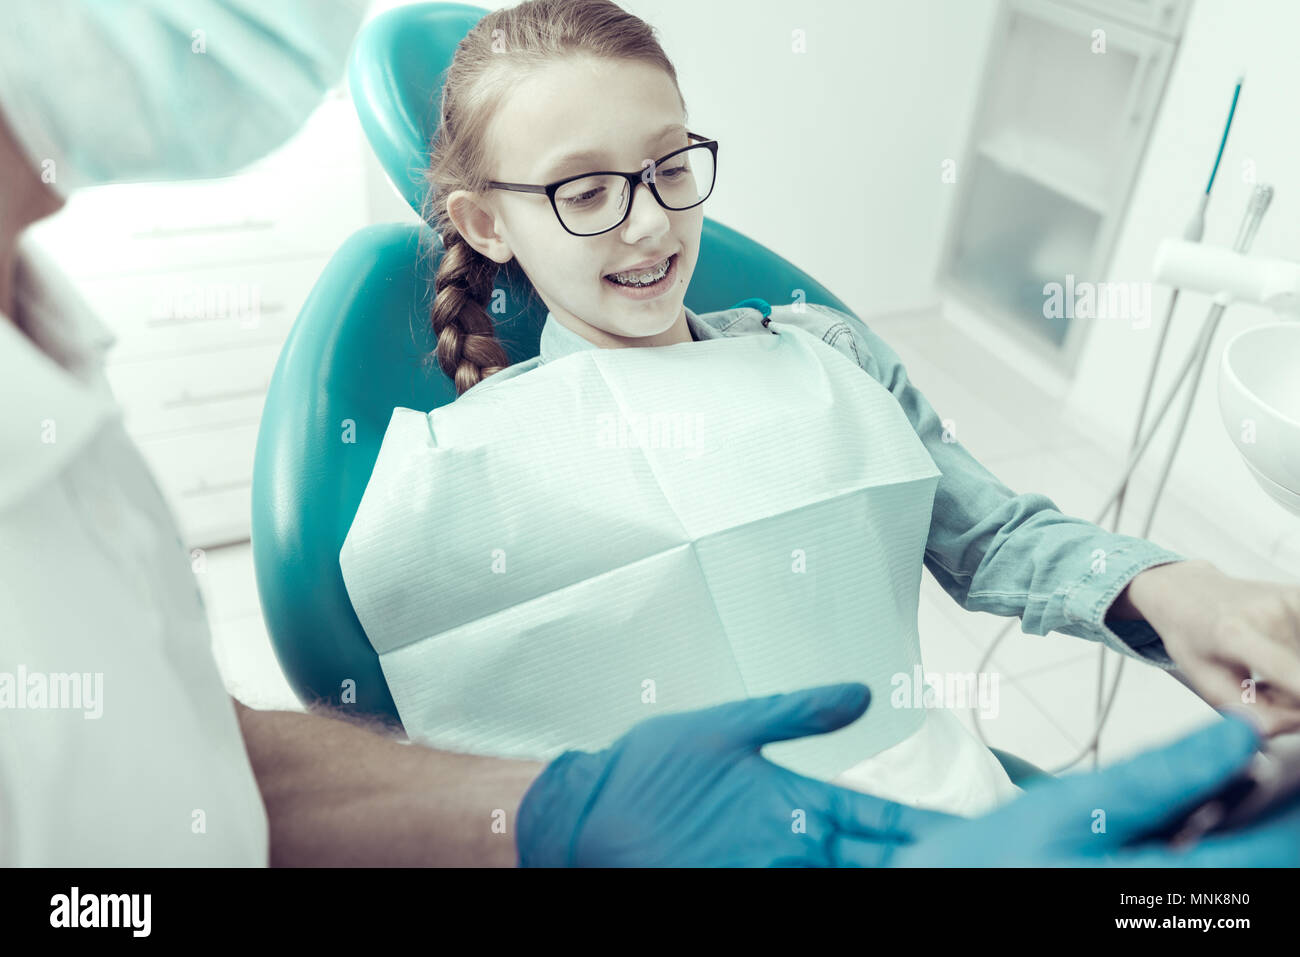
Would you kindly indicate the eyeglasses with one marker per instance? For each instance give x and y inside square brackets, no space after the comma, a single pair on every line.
[595,203]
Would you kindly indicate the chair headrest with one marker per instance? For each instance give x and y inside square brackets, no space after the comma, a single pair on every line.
[395,76]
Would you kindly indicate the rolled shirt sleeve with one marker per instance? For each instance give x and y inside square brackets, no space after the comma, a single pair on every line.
[1013,554]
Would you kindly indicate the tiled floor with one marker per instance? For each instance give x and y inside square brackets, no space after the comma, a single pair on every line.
[1047,685]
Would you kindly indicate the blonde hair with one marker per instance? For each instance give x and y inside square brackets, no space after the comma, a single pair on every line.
[494,58]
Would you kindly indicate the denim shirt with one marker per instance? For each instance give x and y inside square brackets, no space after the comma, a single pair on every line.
[990,548]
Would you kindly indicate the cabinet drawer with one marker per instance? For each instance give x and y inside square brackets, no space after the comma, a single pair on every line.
[216,517]
[202,391]
[147,228]
[301,201]
[206,478]
[200,310]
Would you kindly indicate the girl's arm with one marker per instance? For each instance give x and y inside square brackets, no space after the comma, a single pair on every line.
[1010,554]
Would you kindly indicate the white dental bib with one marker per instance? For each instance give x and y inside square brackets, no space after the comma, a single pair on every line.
[621,533]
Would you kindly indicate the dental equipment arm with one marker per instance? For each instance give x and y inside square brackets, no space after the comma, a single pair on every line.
[1258,205]
[1192,233]
[1223,272]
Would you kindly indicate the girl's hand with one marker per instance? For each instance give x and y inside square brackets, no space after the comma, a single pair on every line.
[1222,632]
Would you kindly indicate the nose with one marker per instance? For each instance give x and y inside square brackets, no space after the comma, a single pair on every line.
[646,218]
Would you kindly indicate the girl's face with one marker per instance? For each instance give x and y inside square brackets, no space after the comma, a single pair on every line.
[617,114]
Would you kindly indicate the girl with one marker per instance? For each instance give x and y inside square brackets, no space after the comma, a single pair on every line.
[541,101]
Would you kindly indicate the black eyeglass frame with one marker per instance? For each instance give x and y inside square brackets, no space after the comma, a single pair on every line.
[633,180]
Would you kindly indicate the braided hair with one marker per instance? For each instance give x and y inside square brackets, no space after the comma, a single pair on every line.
[467,349]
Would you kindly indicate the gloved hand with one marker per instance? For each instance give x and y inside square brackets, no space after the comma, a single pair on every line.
[691,789]
[1053,823]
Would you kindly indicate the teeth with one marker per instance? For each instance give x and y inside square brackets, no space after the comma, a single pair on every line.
[643,278]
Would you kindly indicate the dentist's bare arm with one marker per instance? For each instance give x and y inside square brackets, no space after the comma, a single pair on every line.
[339,795]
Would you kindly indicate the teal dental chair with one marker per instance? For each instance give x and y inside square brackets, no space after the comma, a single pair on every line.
[355,351]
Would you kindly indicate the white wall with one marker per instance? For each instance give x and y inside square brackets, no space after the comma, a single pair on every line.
[1223,38]
[883,94]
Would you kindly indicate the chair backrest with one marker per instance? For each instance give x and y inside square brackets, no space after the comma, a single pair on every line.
[355,353]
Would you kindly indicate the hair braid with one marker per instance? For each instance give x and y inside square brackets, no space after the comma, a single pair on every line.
[467,350]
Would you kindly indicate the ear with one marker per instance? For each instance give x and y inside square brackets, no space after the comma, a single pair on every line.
[475,220]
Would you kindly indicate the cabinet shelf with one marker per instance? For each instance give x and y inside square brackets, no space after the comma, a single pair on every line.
[1056,166]
[1066,106]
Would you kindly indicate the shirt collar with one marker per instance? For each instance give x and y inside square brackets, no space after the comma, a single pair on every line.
[51,381]
[558,340]
[49,309]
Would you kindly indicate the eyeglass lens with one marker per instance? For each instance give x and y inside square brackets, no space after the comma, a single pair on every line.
[597,203]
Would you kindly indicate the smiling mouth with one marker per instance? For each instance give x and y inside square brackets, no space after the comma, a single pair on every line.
[641,278]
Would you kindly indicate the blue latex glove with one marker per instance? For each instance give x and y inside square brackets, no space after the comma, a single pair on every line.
[1052,824]
[691,789]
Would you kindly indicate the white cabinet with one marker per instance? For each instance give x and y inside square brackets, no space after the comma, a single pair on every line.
[1167,17]
[1067,103]
[200,283]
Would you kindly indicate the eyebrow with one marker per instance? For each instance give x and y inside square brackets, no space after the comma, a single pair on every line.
[553,168]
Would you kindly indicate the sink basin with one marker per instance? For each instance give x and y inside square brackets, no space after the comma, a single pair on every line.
[1259,398]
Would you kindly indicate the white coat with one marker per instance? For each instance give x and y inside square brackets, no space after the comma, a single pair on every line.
[119,745]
